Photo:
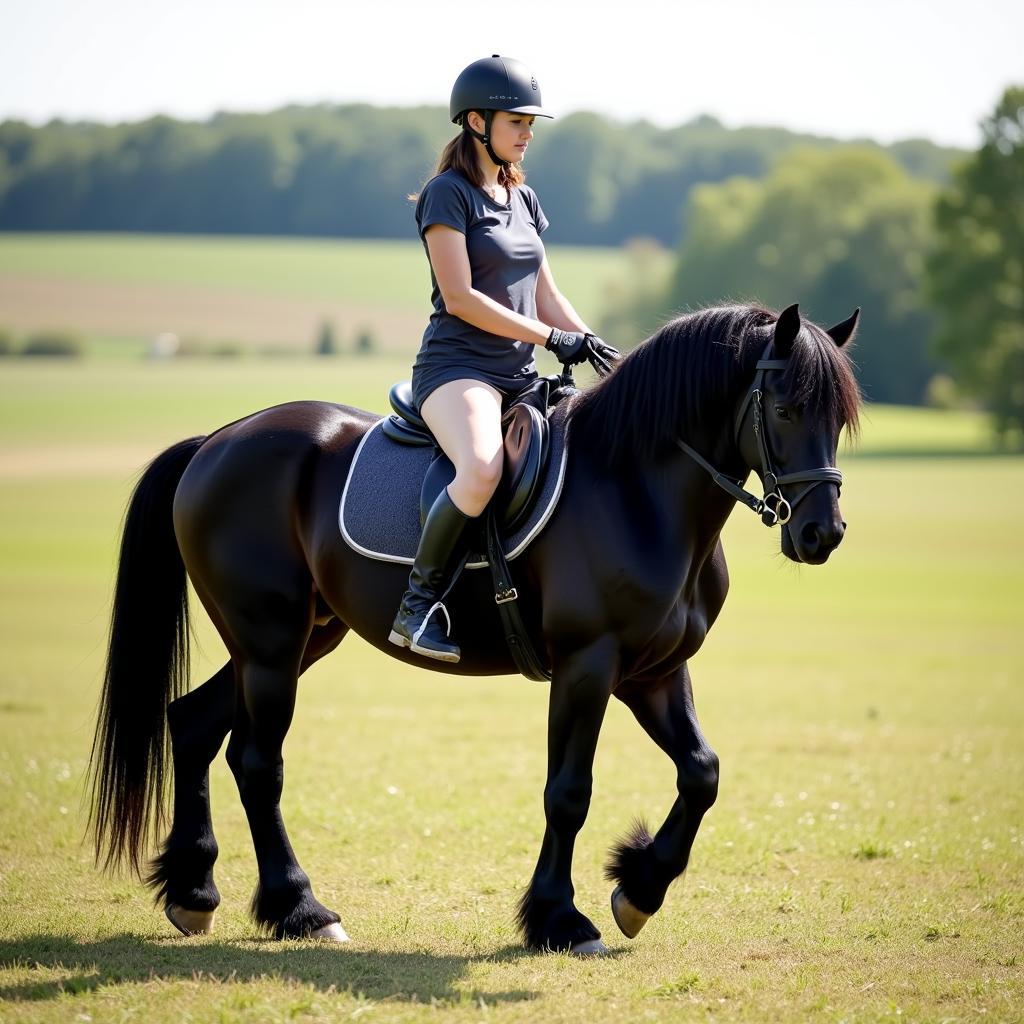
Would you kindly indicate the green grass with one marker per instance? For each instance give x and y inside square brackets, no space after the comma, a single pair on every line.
[393,275]
[57,402]
[901,430]
[864,862]
[54,402]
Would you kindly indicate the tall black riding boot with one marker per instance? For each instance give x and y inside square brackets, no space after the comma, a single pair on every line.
[417,624]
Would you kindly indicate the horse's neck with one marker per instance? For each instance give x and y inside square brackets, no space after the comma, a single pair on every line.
[700,507]
[673,507]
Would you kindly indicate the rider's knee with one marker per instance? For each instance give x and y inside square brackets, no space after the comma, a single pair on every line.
[480,477]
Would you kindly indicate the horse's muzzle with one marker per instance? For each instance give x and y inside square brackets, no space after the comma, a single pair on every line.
[812,542]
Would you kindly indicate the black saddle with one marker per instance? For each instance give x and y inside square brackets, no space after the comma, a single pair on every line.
[527,447]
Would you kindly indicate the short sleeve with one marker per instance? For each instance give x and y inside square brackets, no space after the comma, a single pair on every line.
[538,214]
[442,202]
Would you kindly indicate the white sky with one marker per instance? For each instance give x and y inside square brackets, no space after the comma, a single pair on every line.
[887,69]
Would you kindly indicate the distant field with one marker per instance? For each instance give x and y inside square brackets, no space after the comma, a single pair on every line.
[864,862]
[892,430]
[120,291]
[138,405]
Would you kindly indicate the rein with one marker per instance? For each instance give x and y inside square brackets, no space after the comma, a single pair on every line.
[773,508]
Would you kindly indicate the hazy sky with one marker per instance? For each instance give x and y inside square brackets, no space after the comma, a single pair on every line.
[887,69]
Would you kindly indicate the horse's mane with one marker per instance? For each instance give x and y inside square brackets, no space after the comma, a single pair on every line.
[693,371]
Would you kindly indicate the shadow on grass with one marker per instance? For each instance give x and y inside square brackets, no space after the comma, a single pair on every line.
[125,959]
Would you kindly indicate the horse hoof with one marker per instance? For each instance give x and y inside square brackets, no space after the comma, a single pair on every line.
[592,947]
[190,922]
[330,933]
[627,917]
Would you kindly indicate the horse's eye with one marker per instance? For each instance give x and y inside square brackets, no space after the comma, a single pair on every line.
[782,412]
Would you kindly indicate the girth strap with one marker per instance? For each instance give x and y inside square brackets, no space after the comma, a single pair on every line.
[505,596]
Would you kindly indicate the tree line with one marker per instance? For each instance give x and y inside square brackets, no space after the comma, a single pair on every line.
[937,269]
[831,229]
[345,171]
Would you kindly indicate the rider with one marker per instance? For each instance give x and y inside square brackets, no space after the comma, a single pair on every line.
[494,298]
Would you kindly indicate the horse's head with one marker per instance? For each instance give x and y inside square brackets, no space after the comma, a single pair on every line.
[789,425]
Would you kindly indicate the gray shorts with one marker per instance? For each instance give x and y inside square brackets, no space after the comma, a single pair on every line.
[430,378]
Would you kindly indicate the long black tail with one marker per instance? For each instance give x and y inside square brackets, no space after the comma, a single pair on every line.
[147,667]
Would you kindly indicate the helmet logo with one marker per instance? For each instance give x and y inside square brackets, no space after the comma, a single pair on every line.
[533,82]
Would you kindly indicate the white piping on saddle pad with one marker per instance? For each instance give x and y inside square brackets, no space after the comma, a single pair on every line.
[382,556]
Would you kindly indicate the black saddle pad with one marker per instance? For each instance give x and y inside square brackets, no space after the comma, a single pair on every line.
[380,505]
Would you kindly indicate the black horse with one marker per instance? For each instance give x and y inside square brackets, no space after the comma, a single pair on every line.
[620,589]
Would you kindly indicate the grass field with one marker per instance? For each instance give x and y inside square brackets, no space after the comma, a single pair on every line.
[864,862]
[117,292]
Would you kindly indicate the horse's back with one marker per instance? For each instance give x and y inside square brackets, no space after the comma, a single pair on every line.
[257,520]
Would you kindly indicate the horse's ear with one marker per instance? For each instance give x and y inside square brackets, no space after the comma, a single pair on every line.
[787,327]
[843,332]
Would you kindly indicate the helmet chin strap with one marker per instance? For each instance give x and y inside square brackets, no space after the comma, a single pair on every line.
[486,137]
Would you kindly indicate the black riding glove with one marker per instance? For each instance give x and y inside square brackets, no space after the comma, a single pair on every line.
[570,347]
[602,356]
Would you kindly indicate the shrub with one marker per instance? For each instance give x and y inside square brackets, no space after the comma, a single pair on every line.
[365,343]
[326,345]
[56,344]
[6,343]
[226,349]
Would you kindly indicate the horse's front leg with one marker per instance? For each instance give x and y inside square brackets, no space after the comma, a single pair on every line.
[272,630]
[644,867]
[581,685]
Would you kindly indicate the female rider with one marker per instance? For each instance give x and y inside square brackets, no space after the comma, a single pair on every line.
[494,299]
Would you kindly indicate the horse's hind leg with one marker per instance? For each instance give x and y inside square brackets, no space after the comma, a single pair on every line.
[183,872]
[644,867]
[199,721]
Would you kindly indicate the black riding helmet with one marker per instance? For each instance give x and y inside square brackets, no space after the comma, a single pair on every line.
[494,83]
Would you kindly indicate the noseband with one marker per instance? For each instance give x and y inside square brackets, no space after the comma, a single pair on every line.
[773,508]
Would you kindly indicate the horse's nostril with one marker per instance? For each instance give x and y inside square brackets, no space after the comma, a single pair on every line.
[809,534]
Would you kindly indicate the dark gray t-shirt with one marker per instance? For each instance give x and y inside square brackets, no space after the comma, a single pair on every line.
[505,255]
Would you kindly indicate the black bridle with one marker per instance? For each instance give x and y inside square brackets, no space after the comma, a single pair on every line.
[773,508]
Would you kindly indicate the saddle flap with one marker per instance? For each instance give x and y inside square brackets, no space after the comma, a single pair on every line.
[526,453]
[526,447]
[536,394]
